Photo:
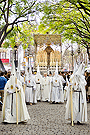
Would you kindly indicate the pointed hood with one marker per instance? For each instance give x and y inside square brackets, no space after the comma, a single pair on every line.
[56,71]
[30,71]
[83,68]
[18,69]
[75,67]
[79,71]
[67,80]
[13,71]
[26,71]
[38,71]
[13,74]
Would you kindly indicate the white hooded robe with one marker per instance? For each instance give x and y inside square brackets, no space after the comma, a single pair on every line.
[30,92]
[78,97]
[57,87]
[10,104]
[45,89]
[38,79]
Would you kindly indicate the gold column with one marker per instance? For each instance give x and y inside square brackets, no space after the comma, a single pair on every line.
[42,58]
[45,58]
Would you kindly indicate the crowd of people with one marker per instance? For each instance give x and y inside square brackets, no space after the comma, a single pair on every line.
[27,88]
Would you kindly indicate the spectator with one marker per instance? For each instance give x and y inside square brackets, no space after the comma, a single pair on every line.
[3,81]
[5,75]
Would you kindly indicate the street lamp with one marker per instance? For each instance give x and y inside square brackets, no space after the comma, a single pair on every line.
[72,53]
[79,50]
[29,54]
[15,56]
[61,57]
[79,55]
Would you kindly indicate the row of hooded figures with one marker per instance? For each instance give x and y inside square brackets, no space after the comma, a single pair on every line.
[45,88]
[19,92]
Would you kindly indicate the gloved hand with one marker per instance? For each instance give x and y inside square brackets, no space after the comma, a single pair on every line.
[70,84]
[34,88]
[82,101]
[26,82]
[23,83]
[10,92]
[16,86]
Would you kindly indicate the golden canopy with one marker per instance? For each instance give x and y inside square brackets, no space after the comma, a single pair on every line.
[47,57]
[47,39]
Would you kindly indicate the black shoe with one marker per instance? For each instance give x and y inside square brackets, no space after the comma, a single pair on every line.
[78,123]
[38,100]
[1,103]
[0,108]
[53,102]
[34,103]
[27,103]
[46,101]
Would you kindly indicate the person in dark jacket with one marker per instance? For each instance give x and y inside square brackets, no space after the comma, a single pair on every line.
[6,75]
[3,81]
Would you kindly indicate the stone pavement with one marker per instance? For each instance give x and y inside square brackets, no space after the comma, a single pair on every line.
[46,119]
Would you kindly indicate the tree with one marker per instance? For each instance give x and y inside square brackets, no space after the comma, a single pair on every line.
[14,12]
[70,18]
[81,4]
[23,35]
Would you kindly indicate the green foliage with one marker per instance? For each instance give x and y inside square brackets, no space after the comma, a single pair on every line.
[20,36]
[13,13]
[68,18]
[11,39]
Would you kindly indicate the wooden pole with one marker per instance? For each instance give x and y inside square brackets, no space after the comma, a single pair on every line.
[4,106]
[71,106]
[16,103]
[24,84]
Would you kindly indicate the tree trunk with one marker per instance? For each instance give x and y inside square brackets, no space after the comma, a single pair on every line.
[88,53]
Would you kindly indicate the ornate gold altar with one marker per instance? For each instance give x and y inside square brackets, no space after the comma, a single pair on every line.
[46,56]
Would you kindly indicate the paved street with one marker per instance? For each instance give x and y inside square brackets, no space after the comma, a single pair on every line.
[46,119]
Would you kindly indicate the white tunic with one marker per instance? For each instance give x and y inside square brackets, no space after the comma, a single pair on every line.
[65,92]
[46,90]
[9,103]
[30,92]
[57,90]
[38,79]
[50,88]
[66,89]
[34,90]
